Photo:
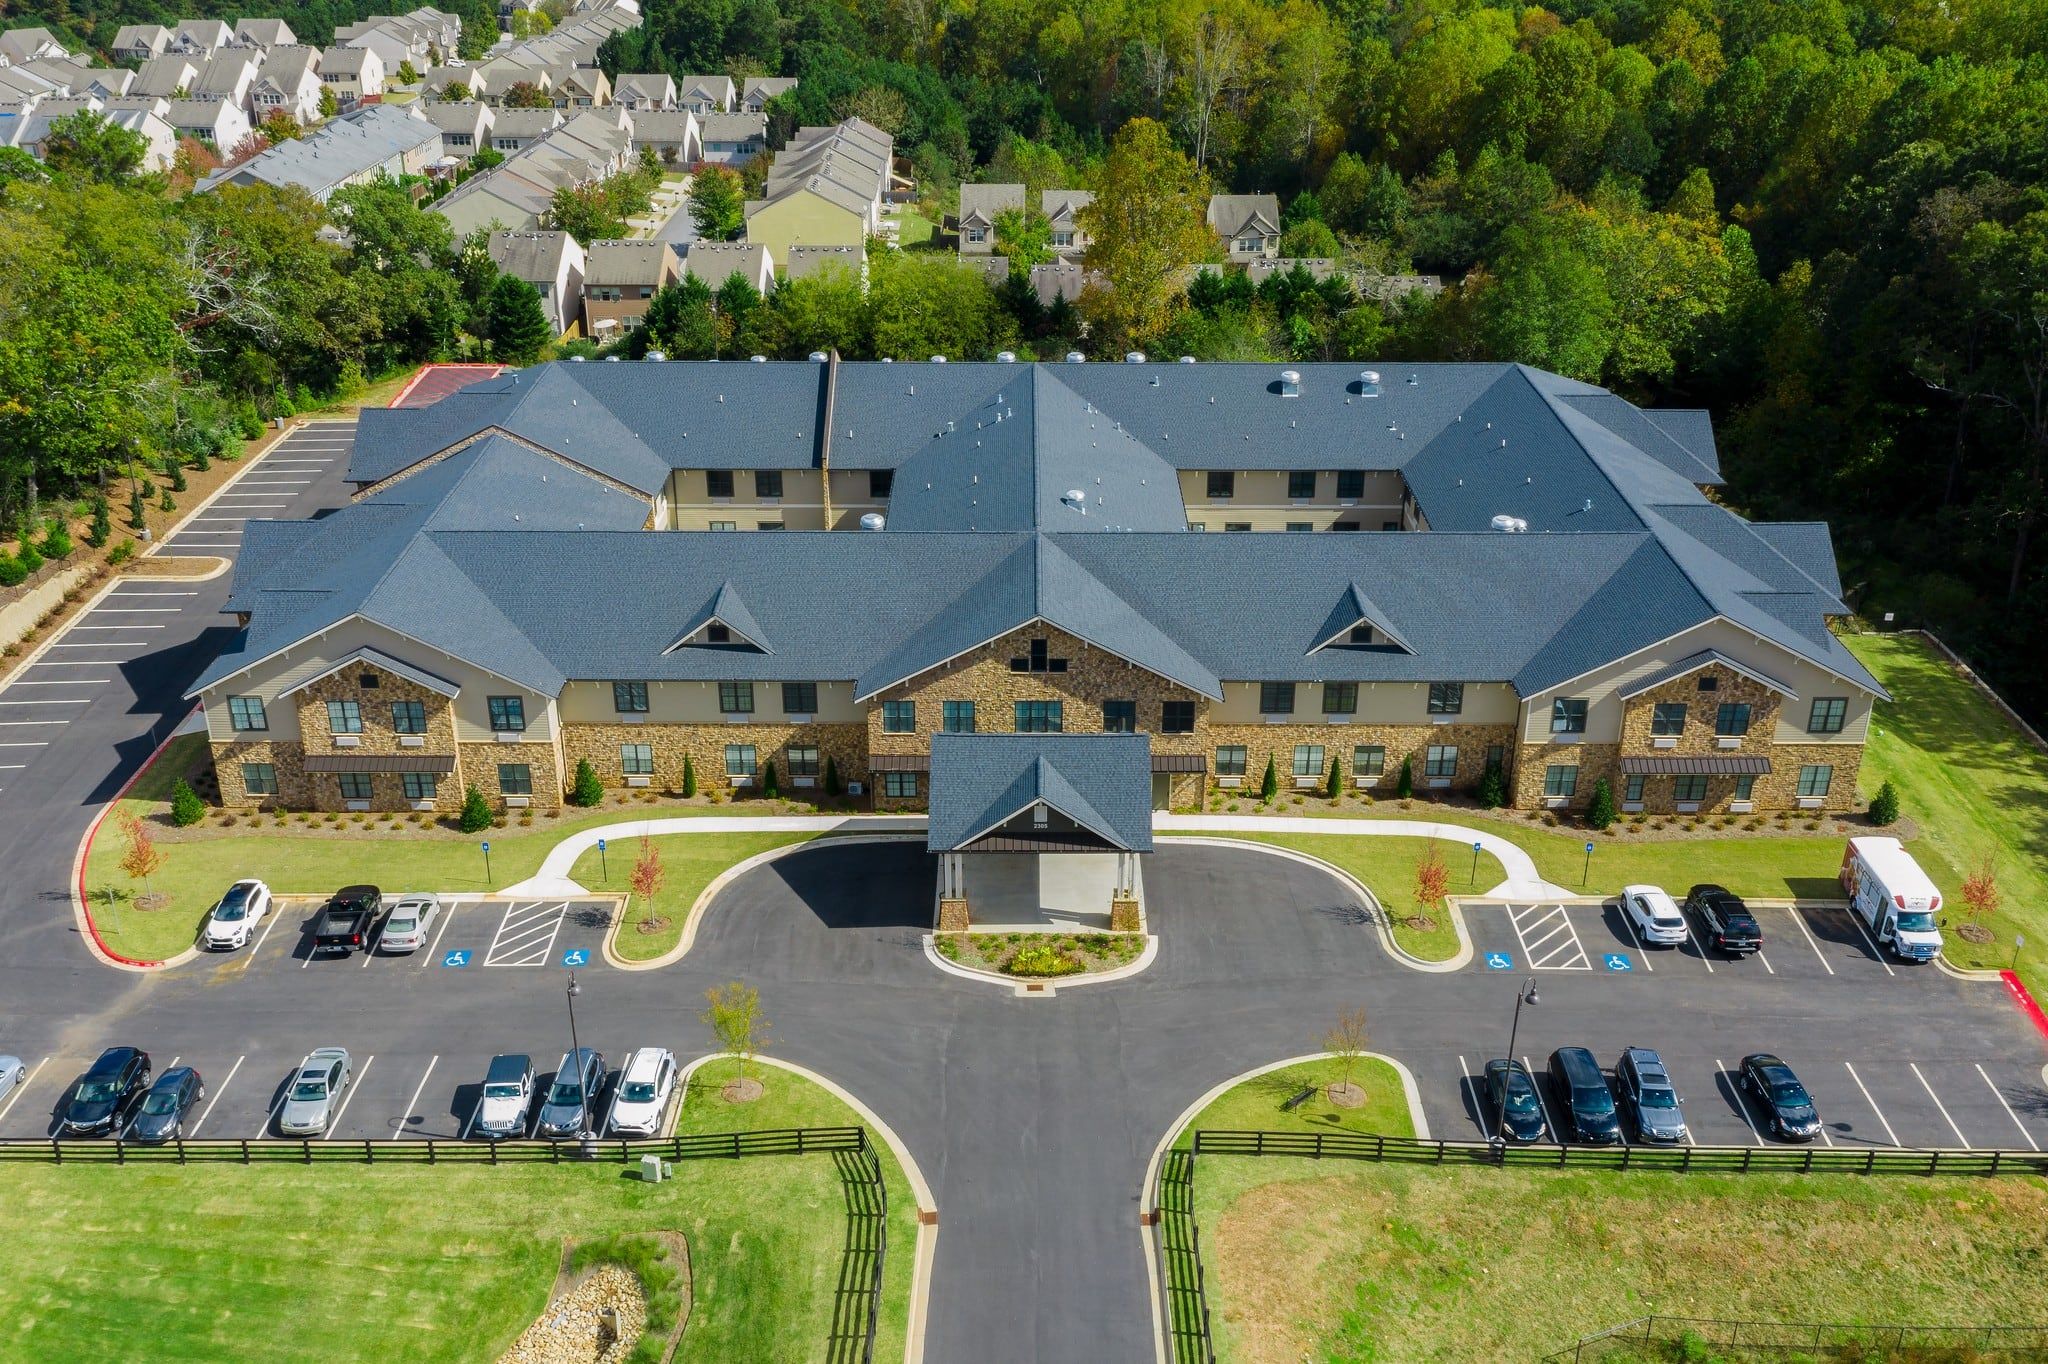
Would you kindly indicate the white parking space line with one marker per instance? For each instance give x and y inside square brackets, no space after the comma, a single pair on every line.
[1556,945]
[220,1090]
[270,1121]
[1741,1104]
[1800,919]
[30,1079]
[25,743]
[1857,920]
[1699,945]
[1475,1101]
[1914,1066]
[1872,1102]
[146,592]
[53,701]
[20,724]
[136,610]
[1766,961]
[144,625]
[67,682]
[1557,1134]
[276,482]
[2008,1110]
[270,918]
[355,1083]
[470,1121]
[526,934]
[1630,924]
[433,952]
[414,1100]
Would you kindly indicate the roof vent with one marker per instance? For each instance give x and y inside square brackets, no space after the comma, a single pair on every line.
[1187,359]
[1587,505]
[611,359]
[888,359]
[1075,496]
[579,359]
[1006,357]
[938,359]
[656,357]
[757,359]
[819,356]
[1155,381]
[1075,357]
[1134,357]
[873,521]
[1290,383]
[1369,383]
[1510,525]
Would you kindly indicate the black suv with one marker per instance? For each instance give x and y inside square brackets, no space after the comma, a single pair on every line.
[1589,1114]
[104,1097]
[1730,925]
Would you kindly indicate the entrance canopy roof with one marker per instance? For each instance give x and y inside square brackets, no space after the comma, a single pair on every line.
[1041,793]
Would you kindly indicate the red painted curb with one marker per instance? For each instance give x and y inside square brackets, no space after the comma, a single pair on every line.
[2026,1001]
[85,851]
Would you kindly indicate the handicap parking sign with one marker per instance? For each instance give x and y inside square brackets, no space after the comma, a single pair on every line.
[1618,961]
[1499,961]
[458,956]
[576,956]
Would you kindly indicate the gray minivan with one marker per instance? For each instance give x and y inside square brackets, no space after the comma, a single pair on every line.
[1588,1102]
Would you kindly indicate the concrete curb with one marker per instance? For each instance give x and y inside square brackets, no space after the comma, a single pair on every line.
[1048,987]
[81,905]
[1148,1200]
[920,1189]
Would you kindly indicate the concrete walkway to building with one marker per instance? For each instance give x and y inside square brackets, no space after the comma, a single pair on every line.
[552,879]
[1523,881]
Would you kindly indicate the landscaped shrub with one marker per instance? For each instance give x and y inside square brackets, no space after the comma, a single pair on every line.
[1333,785]
[1269,785]
[770,786]
[249,422]
[1884,806]
[1493,786]
[1040,959]
[1404,785]
[102,522]
[689,777]
[1600,810]
[121,553]
[174,472]
[11,571]
[646,1259]
[833,786]
[586,789]
[476,812]
[136,519]
[56,540]
[29,556]
[167,502]
[187,808]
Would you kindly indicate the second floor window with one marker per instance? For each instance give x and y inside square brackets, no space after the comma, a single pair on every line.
[408,717]
[1568,715]
[1446,698]
[1301,484]
[1668,719]
[899,717]
[768,483]
[1177,717]
[344,717]
[718,483]
[1340,698]
[1827,715]
[629,698]
[1039,717]
[957,717]
[1731,719]
[736,698]
[1351,483]
[508,714]
[1119,717]
[881,482]
[1222,486]
[246,713]
[1276,698]
[800,698]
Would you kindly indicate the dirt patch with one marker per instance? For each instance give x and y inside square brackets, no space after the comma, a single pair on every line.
[742,1091]
[1976,933]
[1029,955]
[653,925]
[1347,1095]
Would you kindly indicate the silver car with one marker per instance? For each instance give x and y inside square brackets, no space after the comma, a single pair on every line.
[13,1075]
[1652,1099]
[316,1093]
[407,926]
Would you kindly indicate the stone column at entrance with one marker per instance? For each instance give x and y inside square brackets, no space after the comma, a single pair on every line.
[1123,899]
[953,916]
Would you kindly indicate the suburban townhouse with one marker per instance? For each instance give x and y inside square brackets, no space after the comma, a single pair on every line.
[423,37]
[555,566]
[384,141]
[706,94]
[1062,210]
[263,34]
[170,76]
[515,129]
[19,46]
[621,280]
[716,262]
[672,134]
[519,193]
[644,91]
[492,80]
[288,82]
[199,37]
[756,91]
[354,74]
[139,42]
[216,122]
[553,263]
[806,262]
[731,139]
[578,87]
[1247,224]
[28,129]
[472,81]
[980,206]
[826,188]
[465,125]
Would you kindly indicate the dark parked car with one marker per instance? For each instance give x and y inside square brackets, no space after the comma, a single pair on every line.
[1730,925]
[1512,1098]
[1588,1102]
[164,1108]
[346,921]
[1773,1085]
[571,1102]
[107,1093]
[1643,1084]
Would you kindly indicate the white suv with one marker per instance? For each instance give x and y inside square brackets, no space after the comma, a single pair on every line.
[640,1102]
[229,923]
[1654,914]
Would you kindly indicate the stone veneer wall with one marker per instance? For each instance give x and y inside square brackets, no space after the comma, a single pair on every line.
[843,744]
[1400,741]
[1594,762]
[287,756]
[386,789]
[477,764]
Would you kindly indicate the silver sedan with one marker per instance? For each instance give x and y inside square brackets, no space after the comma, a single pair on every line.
[315,1094]
[13,1075]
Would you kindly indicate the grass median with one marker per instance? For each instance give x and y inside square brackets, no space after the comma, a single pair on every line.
[341,1262]
[689,862]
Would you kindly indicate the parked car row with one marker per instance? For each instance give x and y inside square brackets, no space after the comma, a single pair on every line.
[354,917]
[1725,922]
[641,1091]
[1640,1103]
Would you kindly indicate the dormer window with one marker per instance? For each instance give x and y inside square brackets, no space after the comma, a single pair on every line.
[1037,660]
[715,633]
[1361,634]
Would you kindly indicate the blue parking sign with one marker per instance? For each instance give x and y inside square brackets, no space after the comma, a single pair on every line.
[456,956]
[576,956]
[1499,961]
[1618,961]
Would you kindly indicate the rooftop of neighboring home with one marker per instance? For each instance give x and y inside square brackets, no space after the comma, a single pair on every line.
[344,60]
[264,33]
[718,127]
[288,66]
[847,163]
[979,204]
[337,152]
[716,262]
[532,256]
[718,90]
[804,262]
[758,90]
[649,87]
[630,263]
[1236,215]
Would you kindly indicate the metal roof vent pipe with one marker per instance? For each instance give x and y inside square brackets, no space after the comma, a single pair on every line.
[819,357]
[1134,357]
[757,359]
[1006,357]
[579,359]
[1187,359]
[655,357]
[873,521]
[938,359]
[1075,357]
[1290,383]
[1369,383]
[1510,525]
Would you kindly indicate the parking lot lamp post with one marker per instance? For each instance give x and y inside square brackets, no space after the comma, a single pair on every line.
[1526,995]
[583,1132]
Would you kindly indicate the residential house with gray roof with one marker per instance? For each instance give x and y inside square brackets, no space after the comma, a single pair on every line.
[756,91]
[732,139]
[621,280]
[645,91]
[353,73]
[22,45]
[1247,224]
[980,206]
[706,94]
[288,82]
[553,263]
[215,122]
[200,37]
[465,125]
[382,141]
[139,42]
[264,34]
[1198,572]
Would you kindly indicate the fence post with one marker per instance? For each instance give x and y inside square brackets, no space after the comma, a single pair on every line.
[369,1152]
[430,1150]
[1807,1168]
[306,1149]
[1995,1154]
[245,1150]
[56,1151]
[1933,1161]
[120,1150]
[181,1148]
[1870,1161]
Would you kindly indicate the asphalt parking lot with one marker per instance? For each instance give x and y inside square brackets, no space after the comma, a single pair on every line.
[1893,1054]
[470,933]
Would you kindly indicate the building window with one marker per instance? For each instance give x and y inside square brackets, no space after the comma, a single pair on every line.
[1062,238]
[881,482]
[636,760]
[1667,720]
[1039,717]
[417,785]
[1815,779]
[1827,715]
[259,779]
[1038,659]
[724,525]
[515,779]
[899,785]
[344,717]
[718,483]
[1230,760]
[800,698]
[245,713]
[1308,760]
[1446,698]
[899,717]
[629,698]
[1745,786]
[769,525]
[736,698]
[803,760]
[716,633]
[1690,789]
[956,717]
[1731,719]
[1441,760]
[1276,698]
[1568,715]
[1301,525]
[977,234]
[1369,760]
[1301,484]
[1561,779]
[1222,486]
[1709,682]
[508,714]
[1340,698]
[1238,527]
[1197,527]
[739,760]
[1176,717]
[1350,483]
[1347,526]
[1119,717]
[1360,634]
[1632,788]
[354,785]
[408,717]
[767,482]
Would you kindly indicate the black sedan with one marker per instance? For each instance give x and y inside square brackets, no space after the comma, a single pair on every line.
[107,1093]
[1773,1085]
[164,1108]
[1512,1099]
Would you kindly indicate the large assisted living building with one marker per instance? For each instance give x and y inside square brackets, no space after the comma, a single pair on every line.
[1439,566]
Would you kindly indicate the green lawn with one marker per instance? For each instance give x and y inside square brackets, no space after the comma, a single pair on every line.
[1329,1261]
[691,861]
[1257,1104]
[345,1262]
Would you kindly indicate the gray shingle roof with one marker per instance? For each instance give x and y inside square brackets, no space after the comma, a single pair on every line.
[1102,782]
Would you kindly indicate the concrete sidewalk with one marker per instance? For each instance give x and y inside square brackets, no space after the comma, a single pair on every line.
[552,879]
[1523,881]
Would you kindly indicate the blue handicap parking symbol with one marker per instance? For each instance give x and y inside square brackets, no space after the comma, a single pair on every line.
[1618,961]
[458,956]
[576,956]
[1499,961]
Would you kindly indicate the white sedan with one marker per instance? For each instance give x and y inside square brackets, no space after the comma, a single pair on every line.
[410,920]
[640,1102]
[230,922]
[1654,914]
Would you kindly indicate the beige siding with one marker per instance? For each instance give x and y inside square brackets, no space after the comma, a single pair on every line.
[696,703]
[801,506]
[1379,703]
[1260,500]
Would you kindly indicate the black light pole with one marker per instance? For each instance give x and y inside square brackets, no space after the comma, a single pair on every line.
[1527,995]
[583,1132]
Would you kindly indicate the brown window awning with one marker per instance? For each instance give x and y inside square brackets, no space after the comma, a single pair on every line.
[899,762]
[1703,765]
[437,763]
[1179,762]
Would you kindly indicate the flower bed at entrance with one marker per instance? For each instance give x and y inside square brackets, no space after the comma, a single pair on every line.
[1038,955]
